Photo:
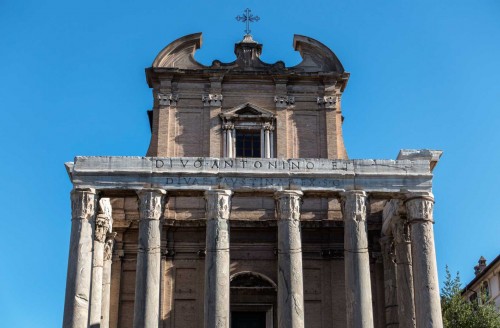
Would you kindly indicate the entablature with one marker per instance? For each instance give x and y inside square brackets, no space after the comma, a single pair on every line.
[390,177]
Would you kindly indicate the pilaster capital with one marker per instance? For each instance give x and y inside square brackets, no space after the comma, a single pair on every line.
[214,100]
[83,202]
[218,204]
[284,101]
[150,203]
[400,230]
[419,206]
[353,205]
[268,126]
[108,246]
[327,101]
[228,126]
[103,220]
[288,204]
[167,99]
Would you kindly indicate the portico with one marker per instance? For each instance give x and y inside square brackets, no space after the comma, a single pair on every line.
[353,182]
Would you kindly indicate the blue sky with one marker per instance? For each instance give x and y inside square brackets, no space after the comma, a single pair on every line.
[423,75]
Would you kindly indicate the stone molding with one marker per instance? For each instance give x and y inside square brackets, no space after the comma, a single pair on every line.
[167,99]
[214,100]
[150,203]
[288,204]
[83,202]
[284,101]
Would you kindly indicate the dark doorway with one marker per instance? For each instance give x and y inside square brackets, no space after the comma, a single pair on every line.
[248,319]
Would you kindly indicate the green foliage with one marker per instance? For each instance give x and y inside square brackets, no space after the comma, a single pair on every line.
[460,313]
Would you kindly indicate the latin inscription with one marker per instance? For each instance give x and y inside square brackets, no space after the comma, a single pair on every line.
[251,164]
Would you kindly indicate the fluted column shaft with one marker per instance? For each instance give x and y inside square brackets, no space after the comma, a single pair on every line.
[427,300]
[390,287]
[106,279]
[76,303]
[290,279]
[147,282]
[356,258]
[404,274]
[218,207]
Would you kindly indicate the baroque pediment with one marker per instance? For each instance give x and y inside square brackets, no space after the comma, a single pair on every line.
[316,57]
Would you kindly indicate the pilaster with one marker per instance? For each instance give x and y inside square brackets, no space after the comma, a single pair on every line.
[390,285]
[404,274]
[102,226]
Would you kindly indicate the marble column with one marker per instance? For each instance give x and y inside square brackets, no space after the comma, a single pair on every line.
[147,282]
[216,310]
[404,274]
[267,140]
[106,279]
[419,207]
[290,279]
[390,289]
[356,258]
[76,303]
[102,226]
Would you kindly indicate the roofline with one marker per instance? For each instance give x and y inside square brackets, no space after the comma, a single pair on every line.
[479,276]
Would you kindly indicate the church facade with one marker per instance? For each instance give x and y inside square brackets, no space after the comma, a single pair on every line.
[246,210]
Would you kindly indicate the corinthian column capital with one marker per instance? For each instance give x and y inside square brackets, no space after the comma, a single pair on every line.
[354,205]
[150,203]
[218,202]
[419,206]
[103,220]
[83,203]
[288,204]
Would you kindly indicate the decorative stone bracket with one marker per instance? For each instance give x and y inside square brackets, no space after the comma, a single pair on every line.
[327,101]
[214,100]
[167,99]
[284,101]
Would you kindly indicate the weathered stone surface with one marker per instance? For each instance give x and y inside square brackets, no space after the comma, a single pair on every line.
[147,283]
[290,275]
[390,286]
[218,207]
[106,279]
[102,226]
[243,174]
[404,274]
[76,304]
[419,208]
[357,265]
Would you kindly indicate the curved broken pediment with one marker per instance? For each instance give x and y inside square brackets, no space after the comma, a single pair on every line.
[315,55]
[180,53]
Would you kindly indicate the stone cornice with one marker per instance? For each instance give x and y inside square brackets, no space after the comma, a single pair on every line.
[246,174]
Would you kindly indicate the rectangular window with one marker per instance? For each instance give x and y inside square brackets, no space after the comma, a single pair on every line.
[248,143]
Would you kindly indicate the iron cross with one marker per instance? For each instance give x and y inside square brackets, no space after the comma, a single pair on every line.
[247,18]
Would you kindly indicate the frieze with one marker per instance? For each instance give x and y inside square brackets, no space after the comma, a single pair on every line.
[202,173]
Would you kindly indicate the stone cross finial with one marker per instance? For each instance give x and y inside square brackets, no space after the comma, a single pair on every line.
[247,18]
